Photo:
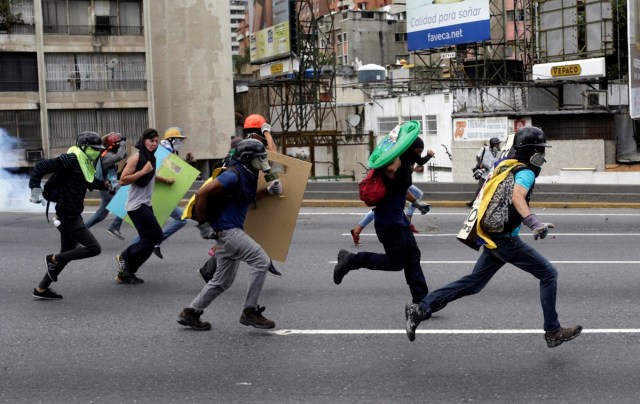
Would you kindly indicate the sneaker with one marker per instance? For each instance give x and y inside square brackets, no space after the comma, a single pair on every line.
[52,269]
[557,337]
[191,318]
[115,233]
[254,318]
[48,294]
[157,252]
[412,228]
[414,314]
[128,280]
[273,271]
[342,267]
[355,237]
[123,268]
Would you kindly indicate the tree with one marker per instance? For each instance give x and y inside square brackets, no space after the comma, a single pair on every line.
[7,17]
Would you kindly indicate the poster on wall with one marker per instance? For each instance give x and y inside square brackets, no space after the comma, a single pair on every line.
[439,23]
[480,128]
[633,27]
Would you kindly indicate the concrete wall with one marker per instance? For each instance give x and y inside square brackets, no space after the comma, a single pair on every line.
[190,69]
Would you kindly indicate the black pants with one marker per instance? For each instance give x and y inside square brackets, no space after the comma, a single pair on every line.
[150,234]
[76,243]
[401,253]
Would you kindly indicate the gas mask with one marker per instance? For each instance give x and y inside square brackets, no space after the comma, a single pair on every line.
[537,159]
[176,144]
[92,153]
[260,163]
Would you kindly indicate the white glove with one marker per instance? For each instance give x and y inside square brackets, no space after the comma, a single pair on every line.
[206,231]
[36,195]
[423,207]
[275,188]
[265,128]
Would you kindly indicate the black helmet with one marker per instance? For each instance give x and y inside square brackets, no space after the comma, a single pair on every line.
[90,139]
[247,149]
[494,141]
[530,136]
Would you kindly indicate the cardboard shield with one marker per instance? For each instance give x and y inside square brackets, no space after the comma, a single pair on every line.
[272,220]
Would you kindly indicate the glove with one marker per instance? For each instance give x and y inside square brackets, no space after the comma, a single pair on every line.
[265,127]
[275,188]
[539,229]
[36,195]
[423,207]
[206,231]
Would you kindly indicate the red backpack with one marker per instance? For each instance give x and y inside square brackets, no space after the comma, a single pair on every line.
[372,189]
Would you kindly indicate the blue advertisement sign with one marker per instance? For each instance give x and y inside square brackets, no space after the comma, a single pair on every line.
[440,23]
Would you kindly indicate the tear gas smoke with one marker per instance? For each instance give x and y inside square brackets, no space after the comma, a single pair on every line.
[14,188]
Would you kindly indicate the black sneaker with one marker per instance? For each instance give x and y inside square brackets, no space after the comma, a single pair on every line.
[413,314]
[254,318]
[157,252]
[123,268]
[128,280]
[48,294]
[115,233]
[273,271]
[52,269]
[191,318]
[342,267]
[557,337]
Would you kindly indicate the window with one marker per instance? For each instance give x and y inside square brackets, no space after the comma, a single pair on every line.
[386,125]
[23,125]
[18,71]
[401,36]
[431,125]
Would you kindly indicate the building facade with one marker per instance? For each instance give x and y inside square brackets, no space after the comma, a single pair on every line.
[115,66]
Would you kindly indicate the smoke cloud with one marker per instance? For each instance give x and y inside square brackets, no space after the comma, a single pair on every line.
[14,188]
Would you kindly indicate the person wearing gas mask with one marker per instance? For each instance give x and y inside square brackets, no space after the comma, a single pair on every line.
[140,173]
[507,247]
[173,138]
[392,229]
[485,159]
[107,169]
[76,174]
[239,183]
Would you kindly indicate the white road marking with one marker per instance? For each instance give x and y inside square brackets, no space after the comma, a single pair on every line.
[446,332]
[418,235]
[540,213]
[553,262]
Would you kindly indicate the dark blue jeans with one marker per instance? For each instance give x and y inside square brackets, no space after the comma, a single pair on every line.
[401,252]
[509,250]
[150,234]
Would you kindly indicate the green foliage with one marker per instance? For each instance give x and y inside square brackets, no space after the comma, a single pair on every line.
[7,18]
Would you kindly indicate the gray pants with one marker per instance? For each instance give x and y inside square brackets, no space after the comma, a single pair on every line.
[234,246]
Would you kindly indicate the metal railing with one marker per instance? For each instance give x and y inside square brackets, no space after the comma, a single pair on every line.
[19,29]
[96,85]
[112,30]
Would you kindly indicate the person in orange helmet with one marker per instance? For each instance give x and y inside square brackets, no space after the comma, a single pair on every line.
[256,127]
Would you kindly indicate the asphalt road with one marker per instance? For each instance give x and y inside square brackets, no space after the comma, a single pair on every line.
[108,343]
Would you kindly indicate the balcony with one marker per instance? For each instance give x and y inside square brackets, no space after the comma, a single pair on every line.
[111,30]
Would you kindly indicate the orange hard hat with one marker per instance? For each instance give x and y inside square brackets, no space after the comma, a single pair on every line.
[254,121]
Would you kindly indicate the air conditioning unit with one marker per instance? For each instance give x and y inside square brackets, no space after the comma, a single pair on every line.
[34,155]
[595,99]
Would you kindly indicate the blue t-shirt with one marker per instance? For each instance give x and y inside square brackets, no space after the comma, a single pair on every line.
[234,214]
[525,178]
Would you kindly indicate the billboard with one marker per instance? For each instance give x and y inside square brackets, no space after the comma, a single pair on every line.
[269,30]
[633,26]
[481,128]
[439,23]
